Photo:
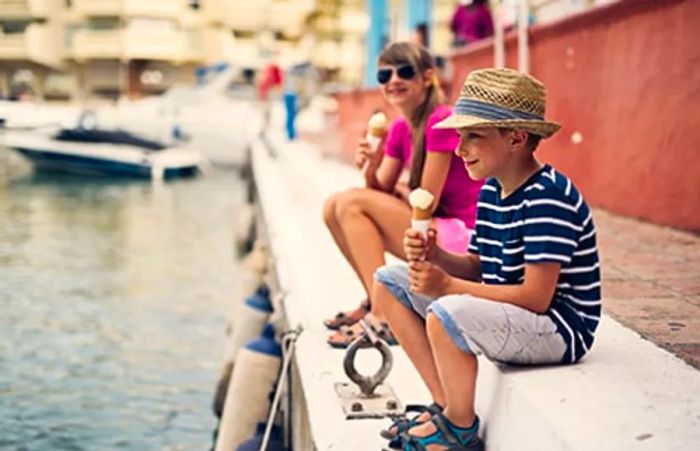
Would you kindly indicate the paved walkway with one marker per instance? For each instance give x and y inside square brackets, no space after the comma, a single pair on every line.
[651,282]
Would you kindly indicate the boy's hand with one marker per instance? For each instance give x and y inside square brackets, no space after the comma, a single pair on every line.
[417,248]
[427,278]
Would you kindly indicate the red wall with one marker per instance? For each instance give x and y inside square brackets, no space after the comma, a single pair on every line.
[627,78]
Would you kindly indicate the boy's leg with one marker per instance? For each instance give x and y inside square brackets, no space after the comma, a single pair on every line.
[457,370]
[409,329]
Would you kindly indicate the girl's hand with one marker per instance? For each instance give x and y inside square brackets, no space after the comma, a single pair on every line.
[402,191]
[428,279]
[365,154]
[417,248]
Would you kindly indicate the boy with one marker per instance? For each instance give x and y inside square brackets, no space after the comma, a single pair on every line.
[528,290]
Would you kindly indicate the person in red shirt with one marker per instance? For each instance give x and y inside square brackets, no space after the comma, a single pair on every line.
[471,22]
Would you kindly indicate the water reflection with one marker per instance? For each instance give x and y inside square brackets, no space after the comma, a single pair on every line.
[113,298]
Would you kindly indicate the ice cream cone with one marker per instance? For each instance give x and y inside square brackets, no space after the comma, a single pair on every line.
[421,202]
[421,213]
[376,129]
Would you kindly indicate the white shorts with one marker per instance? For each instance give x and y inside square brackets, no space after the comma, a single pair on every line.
[502,332]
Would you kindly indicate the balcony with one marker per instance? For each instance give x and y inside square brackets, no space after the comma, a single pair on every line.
[39,44]
[97,44]
[164,45]
[28,9]
[129,8]
[130,44]
[278,15]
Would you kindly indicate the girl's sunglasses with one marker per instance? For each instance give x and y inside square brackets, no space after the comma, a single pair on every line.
[404,71]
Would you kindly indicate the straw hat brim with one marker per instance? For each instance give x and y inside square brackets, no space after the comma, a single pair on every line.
[541,128]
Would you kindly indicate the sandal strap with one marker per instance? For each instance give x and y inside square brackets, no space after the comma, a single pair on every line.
[440,422]
[403,423]
[444,435]
[343,318]
[433,408]
[365,305]
[411,442]
[381,328]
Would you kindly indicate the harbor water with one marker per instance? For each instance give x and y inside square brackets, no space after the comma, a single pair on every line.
[113,301]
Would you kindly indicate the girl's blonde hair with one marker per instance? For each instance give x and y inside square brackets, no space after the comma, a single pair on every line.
[420,58]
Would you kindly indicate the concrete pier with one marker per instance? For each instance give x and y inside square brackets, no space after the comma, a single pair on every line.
[627,394]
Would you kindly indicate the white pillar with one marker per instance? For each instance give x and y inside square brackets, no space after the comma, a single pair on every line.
[499,58]
[523,51]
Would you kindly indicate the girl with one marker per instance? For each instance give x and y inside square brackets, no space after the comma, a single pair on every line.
[367,222]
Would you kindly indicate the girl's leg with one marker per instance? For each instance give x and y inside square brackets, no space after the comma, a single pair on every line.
[330,217]
[372,222]
[409,329]
[457,370]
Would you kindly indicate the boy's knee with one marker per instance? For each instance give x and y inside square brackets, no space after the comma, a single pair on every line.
[381,296]
[392,285]
[391,275]
[382,277]
[434,326]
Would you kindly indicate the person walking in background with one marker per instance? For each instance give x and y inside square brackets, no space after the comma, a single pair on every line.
[528,291]
[367,222]
[421,35]
[471,22]
[269,84]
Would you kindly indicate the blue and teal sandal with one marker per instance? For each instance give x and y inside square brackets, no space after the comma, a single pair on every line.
[402,423]
[453,437]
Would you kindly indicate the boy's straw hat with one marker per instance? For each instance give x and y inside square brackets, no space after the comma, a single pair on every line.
[501,98]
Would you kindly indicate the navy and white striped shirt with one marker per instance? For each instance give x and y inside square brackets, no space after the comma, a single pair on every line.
[544,220]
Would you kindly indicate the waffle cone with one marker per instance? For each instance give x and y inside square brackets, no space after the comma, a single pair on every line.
[422,213]
[377,132]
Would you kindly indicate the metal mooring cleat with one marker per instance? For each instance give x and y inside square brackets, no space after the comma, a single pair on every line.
[374,399]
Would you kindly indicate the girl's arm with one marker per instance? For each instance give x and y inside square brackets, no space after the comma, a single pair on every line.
[383,176]
[437,165]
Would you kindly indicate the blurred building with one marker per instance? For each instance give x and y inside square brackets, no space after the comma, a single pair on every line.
[68,49]
[31,45]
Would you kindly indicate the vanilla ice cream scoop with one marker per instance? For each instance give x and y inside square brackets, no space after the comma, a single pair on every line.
[420,198]
[377,122]
[376,129]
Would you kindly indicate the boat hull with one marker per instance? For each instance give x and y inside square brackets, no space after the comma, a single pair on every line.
[47,154]
[79,164]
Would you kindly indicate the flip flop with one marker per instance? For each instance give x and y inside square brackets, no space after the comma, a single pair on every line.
[342,338]
[348,318]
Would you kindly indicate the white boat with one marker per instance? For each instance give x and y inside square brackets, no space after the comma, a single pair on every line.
[220,122]
[106,152]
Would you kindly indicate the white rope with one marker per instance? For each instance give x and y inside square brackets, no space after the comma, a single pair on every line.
[289,340]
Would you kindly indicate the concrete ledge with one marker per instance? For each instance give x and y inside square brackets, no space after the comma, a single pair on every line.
[628,393]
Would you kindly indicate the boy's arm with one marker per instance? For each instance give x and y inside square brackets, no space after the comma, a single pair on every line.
[465,267]
[417,248]
[534,294]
